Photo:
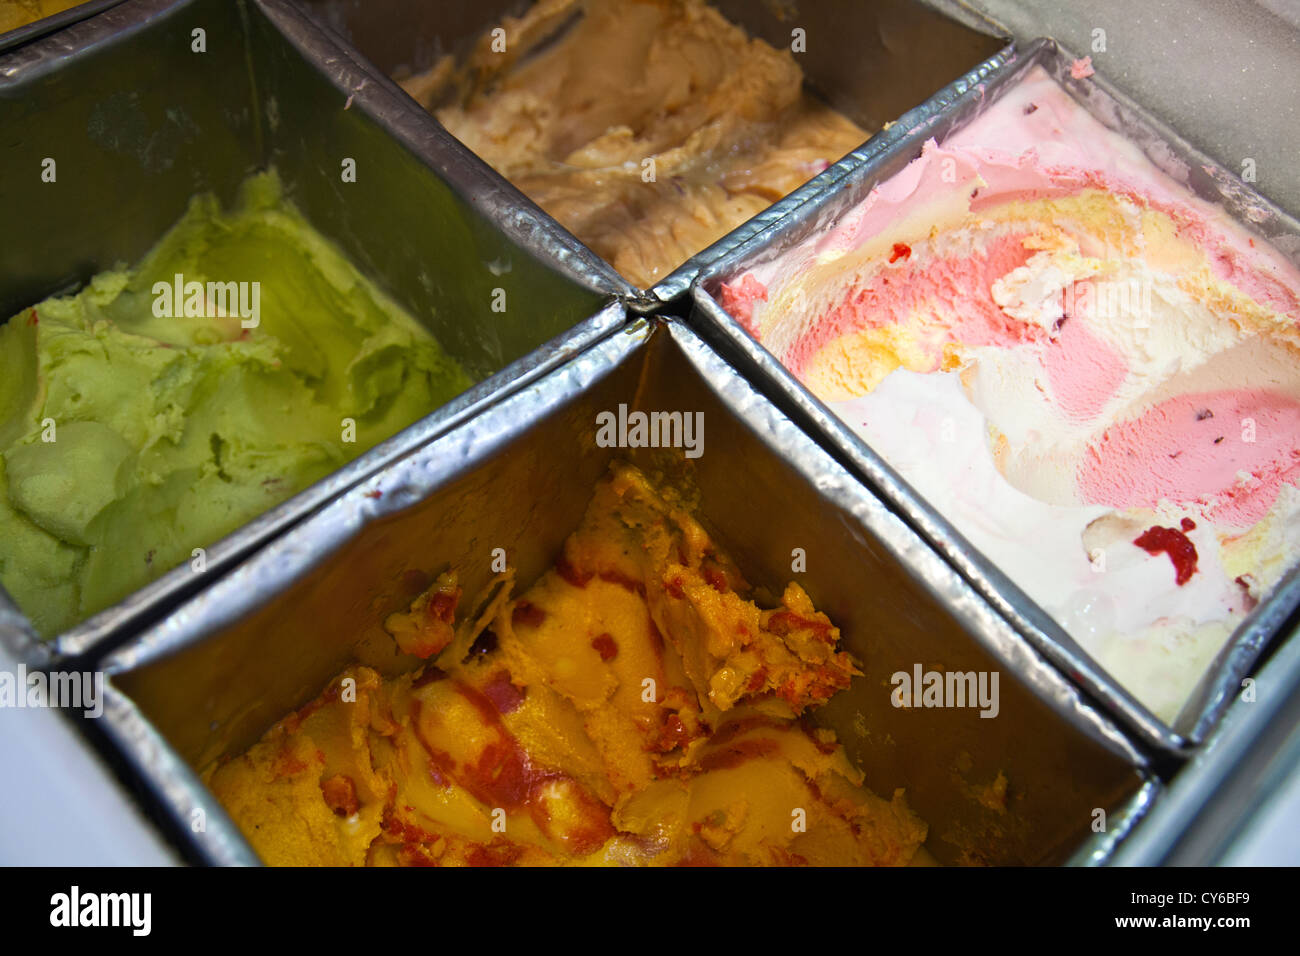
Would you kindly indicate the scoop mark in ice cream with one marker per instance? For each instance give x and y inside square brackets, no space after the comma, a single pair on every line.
[1083,370]
[1177,451]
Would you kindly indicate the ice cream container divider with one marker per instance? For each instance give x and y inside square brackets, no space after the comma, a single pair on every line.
[212,676]
[137,128]
[871,61]
[820,211]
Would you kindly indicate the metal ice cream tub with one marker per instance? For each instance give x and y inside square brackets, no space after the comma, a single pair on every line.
[898,147]
[154,101]
[208,680]
[873,62]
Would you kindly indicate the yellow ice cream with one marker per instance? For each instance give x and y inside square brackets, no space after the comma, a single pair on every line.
[634,706]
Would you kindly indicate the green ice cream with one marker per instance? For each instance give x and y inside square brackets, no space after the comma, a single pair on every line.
[129,437]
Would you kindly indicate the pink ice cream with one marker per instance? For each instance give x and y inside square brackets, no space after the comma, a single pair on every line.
[1063,348]
[1182,450]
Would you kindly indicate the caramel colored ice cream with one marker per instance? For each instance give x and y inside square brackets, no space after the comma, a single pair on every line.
[634,706]
[649,128]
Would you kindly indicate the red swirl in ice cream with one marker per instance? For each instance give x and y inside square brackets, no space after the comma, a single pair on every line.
[1123,355]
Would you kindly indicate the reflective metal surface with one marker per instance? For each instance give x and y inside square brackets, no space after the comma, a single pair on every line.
[216,673]
[1185,165]
[138,122]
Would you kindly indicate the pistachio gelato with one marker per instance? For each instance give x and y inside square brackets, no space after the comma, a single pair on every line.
[137,425]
